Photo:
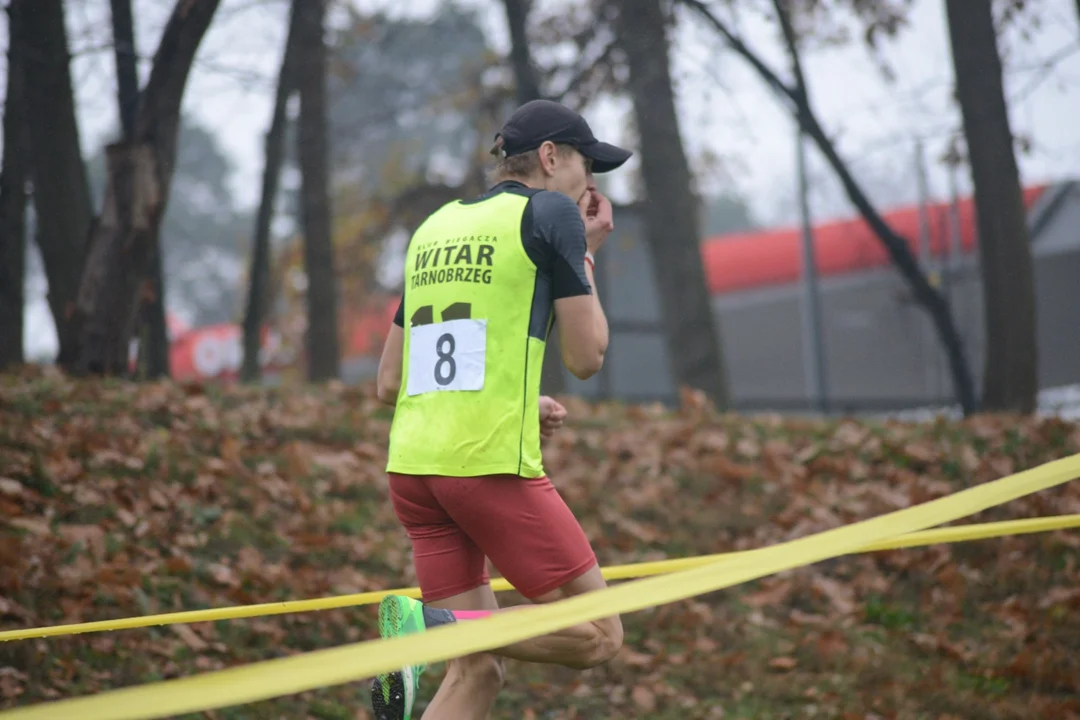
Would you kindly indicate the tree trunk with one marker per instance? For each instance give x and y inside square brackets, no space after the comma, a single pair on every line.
[259,273]
[671,210]
[13,177]
[127,74]
[61,192]
[517,17]
[120,247]
[323,359]
[154,337]
[139,176]
[1010,382]
[552,377]
[154,340]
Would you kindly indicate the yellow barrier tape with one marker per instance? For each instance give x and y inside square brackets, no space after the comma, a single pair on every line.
[631,571]
[334,666]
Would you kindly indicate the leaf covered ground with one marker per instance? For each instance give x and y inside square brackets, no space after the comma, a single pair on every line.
[119,499]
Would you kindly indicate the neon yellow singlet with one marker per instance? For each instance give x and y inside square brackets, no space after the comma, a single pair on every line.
[470,386]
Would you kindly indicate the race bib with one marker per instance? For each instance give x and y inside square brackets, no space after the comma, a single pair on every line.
[449,355]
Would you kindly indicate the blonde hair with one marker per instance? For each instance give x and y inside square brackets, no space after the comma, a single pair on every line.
[522,165]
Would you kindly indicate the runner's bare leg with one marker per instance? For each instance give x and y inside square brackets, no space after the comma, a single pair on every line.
[469,690]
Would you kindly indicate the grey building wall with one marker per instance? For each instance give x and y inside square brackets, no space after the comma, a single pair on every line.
[1057,276]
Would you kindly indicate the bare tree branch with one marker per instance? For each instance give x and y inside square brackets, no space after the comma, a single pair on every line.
[771,79]
[1045,67]
[784,16]
[585,70]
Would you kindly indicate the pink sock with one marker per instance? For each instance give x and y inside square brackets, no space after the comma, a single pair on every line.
[471,614]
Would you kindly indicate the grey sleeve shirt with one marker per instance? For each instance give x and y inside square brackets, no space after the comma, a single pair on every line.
[556,242]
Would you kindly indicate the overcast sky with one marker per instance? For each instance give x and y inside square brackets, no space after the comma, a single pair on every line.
[724,108]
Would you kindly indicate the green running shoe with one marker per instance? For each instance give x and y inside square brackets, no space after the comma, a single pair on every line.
[394,693]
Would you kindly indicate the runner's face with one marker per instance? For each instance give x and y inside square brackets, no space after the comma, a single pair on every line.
[573,175]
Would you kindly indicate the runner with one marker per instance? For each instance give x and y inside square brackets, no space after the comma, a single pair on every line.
[485,279]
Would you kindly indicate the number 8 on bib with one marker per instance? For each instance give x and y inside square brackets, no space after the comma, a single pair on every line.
[449,355]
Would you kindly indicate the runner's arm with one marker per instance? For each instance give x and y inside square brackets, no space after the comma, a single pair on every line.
[559,232]
[388,380]
[583,331]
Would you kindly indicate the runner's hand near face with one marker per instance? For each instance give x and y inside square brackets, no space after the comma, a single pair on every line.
[597,214]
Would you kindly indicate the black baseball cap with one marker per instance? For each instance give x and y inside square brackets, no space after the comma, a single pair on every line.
[539,121]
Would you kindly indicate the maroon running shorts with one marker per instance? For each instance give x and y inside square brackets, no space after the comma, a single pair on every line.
[522,524]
